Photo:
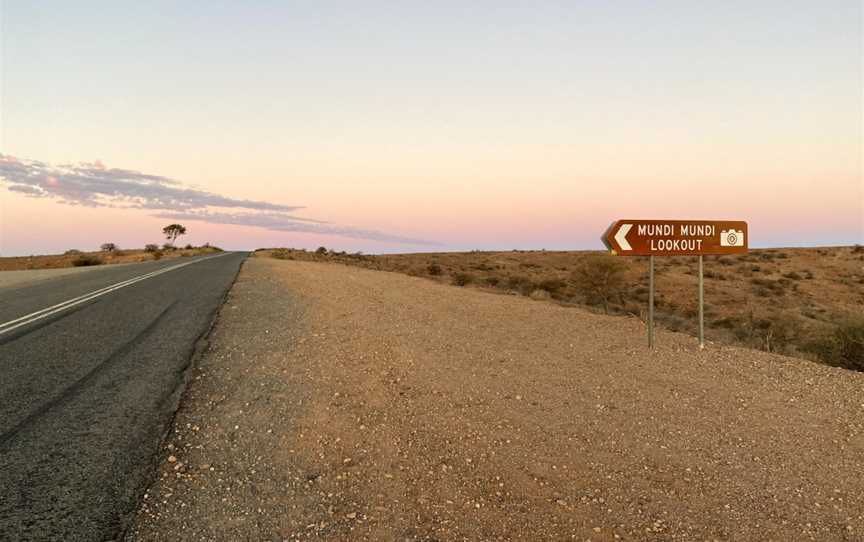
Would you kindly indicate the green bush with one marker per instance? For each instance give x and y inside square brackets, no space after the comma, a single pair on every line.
[86,260]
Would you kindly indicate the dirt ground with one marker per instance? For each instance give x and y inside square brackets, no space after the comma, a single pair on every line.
[338,403]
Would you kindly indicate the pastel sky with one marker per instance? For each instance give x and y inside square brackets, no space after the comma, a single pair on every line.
[408,126]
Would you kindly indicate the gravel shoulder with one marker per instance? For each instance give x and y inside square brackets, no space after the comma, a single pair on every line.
[337,403]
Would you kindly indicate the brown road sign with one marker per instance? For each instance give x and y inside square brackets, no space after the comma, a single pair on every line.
[676,237]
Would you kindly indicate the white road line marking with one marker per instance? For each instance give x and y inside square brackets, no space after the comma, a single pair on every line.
[54,309]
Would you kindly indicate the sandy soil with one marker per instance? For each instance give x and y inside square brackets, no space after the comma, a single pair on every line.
[338,403]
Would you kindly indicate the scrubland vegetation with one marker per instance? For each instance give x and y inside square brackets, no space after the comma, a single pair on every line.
[110,254]
[799,302]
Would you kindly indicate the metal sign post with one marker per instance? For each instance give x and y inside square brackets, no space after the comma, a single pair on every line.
[701,309]
[651,302]
[676,238]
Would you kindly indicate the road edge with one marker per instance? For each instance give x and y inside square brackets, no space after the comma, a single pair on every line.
[174,402]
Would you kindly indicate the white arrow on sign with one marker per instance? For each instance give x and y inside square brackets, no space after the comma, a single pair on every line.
[621,237]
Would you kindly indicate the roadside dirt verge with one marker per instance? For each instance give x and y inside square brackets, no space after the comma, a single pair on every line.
[337,403]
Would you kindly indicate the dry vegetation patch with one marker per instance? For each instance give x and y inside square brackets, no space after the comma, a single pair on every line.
[110,255]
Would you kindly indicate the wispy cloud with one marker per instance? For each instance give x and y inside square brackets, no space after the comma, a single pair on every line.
[278,222]
[94,185]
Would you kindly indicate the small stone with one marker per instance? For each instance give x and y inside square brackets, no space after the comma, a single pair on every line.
[172,459]
[352,515]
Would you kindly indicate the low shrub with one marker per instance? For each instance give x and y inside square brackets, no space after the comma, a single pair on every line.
[844,347]
[767,287]
[72,252]
[86,260]
[523,285]
[282,254]
[462,279]
[540,294]
[151,247]
[434,269]
[727,323]
[600,279]
[552,286]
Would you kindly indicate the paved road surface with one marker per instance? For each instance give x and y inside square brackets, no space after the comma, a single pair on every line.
[87,392]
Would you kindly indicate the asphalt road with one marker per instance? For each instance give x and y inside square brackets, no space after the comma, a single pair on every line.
[87,392]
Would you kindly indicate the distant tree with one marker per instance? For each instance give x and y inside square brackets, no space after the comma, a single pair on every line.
[173,231]
[108,247]
[321,250]
[151,247]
